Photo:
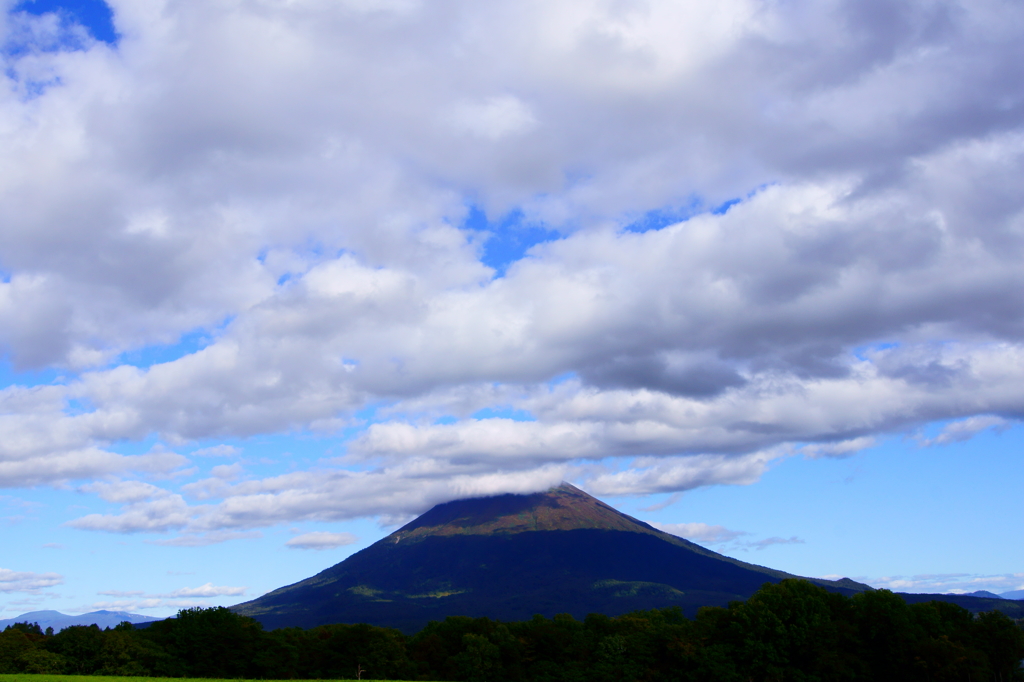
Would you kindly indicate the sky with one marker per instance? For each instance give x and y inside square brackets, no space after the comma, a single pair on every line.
[276,276]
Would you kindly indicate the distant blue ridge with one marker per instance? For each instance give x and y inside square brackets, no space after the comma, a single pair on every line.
[58,621]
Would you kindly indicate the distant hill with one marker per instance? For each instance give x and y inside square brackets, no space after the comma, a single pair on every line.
[984,594]
[512,556]
[1015,594]
[974,604]
[58,621]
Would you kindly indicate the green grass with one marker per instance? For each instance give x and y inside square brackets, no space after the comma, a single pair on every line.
[101,678]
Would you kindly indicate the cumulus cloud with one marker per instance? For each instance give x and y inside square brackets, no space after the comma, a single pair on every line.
[494,117]
[681,473]
[321,540]
[397,493]
[85,463]
[159,511]
[23,581]
[125,491]
[290,184]
[315,496]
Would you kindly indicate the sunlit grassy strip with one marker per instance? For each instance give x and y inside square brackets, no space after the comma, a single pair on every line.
[102,678]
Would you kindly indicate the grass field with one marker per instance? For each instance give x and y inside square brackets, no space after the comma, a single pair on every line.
[99,678]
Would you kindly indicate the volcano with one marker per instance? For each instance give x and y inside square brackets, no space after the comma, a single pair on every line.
[509,557]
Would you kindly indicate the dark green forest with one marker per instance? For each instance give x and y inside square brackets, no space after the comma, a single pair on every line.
[792,630]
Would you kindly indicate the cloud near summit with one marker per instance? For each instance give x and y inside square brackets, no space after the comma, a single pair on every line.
[279,194]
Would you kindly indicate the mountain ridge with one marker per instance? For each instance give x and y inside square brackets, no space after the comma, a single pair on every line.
[58,621]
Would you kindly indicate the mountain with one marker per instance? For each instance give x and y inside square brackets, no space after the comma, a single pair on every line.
[1015,594]
[984,594]
[58,621]
[512,556]
[973,602]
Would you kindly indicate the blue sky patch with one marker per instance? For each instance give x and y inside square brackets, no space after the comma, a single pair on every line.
[504,413]
[95,15]
[724,207]
[864,352]
[158,354]
[663,217]
[10,376]
[511,237]
[670,215]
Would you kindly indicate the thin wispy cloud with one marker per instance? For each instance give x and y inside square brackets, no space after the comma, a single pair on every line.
[965,429]
[701,533]
[768,542]
[26,581]
[951,583]
[321,540]
[181,598]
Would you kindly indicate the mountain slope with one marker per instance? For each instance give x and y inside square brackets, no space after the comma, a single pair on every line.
[513,556]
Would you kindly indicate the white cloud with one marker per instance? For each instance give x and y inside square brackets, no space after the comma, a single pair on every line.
[85,463]
[717,535]
[217,451]
[207,590]
[681,473]
[194,539]
[321,540]
[226,471]
[163,512]
[965,429]
[316,496]
[494,117]
[768,542]
[840,449]
[700,532]
[289,182]
[125,491]
[121,593]
[367,162]
[23,581]
[949,583]
[142,604]
[182,598]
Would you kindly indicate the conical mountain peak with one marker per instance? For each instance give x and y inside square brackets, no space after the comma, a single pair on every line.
[565,507]
[513,556]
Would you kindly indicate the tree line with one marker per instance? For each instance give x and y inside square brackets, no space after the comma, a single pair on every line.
[793,630]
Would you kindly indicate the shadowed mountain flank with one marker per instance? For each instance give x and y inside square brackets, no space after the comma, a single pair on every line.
[512,556]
